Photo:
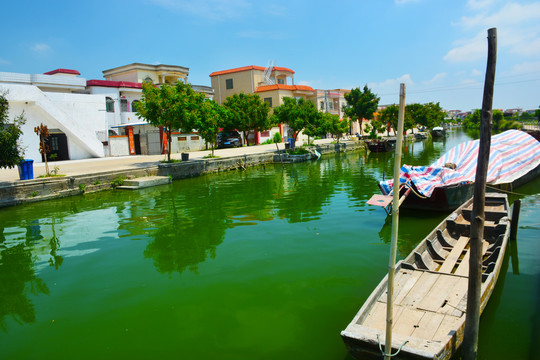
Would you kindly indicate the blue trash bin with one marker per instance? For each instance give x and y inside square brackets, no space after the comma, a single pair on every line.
[291,143]
[26,170]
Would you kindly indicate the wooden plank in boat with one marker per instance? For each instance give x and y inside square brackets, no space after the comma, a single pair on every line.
[408,321]
[420,289]
[404,281]
[463,267]
[439,293]
[455,297]
[377,316]
[428,325]
[454,255]
[408,286]
[447,327]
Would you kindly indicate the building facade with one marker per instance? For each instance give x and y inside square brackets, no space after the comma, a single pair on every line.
[93,118]
[272,84]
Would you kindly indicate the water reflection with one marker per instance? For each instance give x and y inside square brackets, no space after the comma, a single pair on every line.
[188,235]
[18,277]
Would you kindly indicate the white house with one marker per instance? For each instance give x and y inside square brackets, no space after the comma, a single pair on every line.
[54,99]
[93,118]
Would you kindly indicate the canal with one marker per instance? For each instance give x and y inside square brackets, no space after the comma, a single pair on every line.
[267,263]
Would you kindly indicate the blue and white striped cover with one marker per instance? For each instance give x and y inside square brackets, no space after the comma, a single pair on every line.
[513,154]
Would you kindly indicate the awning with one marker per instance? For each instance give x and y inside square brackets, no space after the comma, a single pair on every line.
[131,124]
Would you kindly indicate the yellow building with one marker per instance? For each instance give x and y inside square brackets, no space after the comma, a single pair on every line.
[272,84]
[155,74]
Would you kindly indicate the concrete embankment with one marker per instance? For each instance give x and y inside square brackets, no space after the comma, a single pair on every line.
[20,192]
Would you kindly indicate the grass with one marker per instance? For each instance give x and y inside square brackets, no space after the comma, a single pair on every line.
[172,161]
[50,175]
[210,156]
[298,151]
[119,181]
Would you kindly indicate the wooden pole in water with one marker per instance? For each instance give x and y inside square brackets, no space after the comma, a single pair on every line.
[515,219]
[395,219]
[472,319]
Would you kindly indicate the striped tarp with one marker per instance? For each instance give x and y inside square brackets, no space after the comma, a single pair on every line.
[513,154]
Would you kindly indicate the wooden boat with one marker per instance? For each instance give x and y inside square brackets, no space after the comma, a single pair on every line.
[430,291]
[420,136]
[437,132]
[381,145]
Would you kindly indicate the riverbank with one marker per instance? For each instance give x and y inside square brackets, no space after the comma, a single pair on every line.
[93,175]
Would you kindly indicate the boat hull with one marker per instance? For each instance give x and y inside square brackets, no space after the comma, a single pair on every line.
[380,145]
[430,294]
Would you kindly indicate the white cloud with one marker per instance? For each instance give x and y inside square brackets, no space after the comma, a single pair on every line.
[392,84]
[468,50]
[526,68]
[480,4]
[209,9]
[41,48]
[510,14]
[435,79]
[518,30]
[4,62]
[476,72]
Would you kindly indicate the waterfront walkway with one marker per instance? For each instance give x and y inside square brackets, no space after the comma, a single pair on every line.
[98,165]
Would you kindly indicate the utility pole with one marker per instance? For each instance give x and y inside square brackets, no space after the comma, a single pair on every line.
[472,319]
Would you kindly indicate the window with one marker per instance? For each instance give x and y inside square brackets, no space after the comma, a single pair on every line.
[54,144]
[194,138]
[109,104]
[134,105]
[149,80]
[123,105]
[268,100]
[281,81]
[322,105]
[229,84]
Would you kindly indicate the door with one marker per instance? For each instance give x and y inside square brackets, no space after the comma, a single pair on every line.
[154,143]
[58,147]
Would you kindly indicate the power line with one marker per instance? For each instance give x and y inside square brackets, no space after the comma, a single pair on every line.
[462,87]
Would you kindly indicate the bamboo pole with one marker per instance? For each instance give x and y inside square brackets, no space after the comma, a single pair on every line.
[395,220]
[472,319]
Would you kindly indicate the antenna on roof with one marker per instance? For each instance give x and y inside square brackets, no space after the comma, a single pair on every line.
[267,80]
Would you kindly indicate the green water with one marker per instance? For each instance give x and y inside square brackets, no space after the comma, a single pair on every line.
[268,263]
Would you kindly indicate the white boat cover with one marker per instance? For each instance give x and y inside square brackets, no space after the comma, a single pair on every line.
[513,154]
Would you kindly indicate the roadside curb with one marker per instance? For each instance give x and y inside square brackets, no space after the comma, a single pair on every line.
[28,191]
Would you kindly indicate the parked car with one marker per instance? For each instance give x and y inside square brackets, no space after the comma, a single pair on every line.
[229,139]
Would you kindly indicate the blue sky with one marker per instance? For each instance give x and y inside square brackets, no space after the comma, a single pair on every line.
[437,47]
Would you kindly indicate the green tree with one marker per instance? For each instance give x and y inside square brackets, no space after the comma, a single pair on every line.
[247,112]
[297,114]
[334,125]
[11,151]
[362,104]
[500,123]
[315,127]
[434,114]
[210,118]
[173,107]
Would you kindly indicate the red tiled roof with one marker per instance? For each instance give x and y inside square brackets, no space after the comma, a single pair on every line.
[284,87]
[247,68]
[116,84]
[62,71]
